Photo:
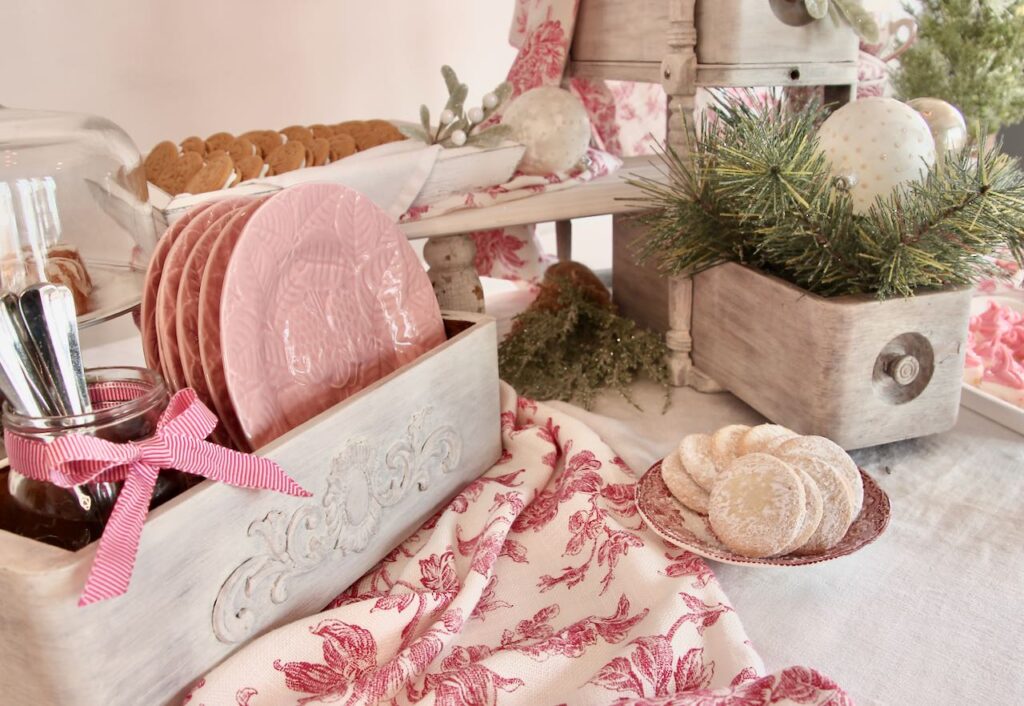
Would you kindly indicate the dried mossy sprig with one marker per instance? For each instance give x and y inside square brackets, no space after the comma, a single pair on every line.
[570,343]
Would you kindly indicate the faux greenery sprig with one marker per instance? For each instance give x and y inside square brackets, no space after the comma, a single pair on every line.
[970,53]
[757,190]
[571,344]
[457,126]
[849,11]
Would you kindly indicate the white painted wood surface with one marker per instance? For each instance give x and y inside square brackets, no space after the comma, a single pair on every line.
[832,367]
[219,565]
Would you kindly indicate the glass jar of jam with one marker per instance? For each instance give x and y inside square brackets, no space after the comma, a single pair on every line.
[127,403]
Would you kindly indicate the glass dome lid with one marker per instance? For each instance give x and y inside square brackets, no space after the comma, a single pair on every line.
[74,209]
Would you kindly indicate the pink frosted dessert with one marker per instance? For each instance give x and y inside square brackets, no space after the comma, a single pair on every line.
[995,353]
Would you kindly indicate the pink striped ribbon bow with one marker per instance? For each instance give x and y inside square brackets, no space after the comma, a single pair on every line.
[178,443]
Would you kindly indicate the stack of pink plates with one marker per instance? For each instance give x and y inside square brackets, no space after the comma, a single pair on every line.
[276,308]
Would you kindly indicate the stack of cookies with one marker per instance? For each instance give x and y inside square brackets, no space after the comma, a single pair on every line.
[766,490]
[224,160]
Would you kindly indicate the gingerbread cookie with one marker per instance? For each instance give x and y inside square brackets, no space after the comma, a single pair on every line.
[160,158]
[320,130]
[219,141]
[194,144]
[836,499]
[757,507]
[834,455]
[266,141]
[240,149]
[760,438]
[320,151]
[176,176]
[342,145]
[289,156]
[72,274]
[682,486]
[725,444]
[298,133]
[250,167]
[217,173]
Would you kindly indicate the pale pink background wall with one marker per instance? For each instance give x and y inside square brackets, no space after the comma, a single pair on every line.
[170,68]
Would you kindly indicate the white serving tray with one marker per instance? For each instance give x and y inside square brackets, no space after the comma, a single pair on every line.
[975,399]
[220,565]
[999,411]
[454,171]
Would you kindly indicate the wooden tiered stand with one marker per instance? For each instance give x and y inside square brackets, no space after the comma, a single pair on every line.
[683,45]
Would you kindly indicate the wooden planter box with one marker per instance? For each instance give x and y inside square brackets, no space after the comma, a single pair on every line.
[857,370]
[219,565]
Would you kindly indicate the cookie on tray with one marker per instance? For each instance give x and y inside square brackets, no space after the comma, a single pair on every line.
[695,453]
[758,505]
[218,173]
[287,157]
[682,486]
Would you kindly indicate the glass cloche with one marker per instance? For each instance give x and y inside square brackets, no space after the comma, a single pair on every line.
[74,209]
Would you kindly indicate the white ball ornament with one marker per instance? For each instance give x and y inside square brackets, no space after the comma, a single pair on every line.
[458,138]
[875,145]
[447,116]
[490,101]
[949,129]
[475,115]
[553,125]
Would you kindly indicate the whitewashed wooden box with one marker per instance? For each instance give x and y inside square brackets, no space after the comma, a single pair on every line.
[854,369]
[738,42]
[219,565]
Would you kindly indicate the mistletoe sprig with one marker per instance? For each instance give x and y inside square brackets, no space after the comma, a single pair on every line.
[758,190]
[849,11]
[457,126]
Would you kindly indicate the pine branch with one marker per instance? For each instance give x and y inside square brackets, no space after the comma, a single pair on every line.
[757,190]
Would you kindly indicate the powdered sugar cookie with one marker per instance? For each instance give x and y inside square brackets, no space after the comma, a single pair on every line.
[836,502]
[833,454]
[725,444]
[695,454]
[682,486]
[813,510]
[761,437]
[757,507]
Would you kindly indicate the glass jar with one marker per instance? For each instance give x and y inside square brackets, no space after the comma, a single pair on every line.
[127,403]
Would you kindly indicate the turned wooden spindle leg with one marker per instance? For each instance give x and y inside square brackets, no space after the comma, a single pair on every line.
[679,78]
[563,240]
[453,273]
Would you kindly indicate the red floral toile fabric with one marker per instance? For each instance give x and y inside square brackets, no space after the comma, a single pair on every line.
[537,584]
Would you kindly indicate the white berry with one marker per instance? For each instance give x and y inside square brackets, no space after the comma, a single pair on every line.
[447,116]
[490,101]
[476,115]
[458,138]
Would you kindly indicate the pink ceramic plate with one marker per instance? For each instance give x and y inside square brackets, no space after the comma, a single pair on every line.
[167,292]
[187,312]
[147,315]
[199,314]
[323,296]
[677,524]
